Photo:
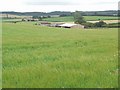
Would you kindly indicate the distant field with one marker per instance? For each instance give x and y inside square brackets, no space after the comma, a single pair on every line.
[13,16]
[107,21]
[7,20]
[60,19]
[71,19]
[44,57]
[87,18]
[96,18]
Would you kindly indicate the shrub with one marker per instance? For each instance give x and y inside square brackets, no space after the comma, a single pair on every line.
[88,25]
[100,24]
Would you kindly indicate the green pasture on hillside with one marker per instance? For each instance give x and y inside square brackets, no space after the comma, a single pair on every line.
[70,18]
[46,57]
[87,18]
[9,20]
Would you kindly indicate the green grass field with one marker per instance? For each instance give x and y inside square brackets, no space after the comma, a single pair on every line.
[45,57]
[87,18]
[9,20]
[70,19]
[60,19]
[96,18]
[0,55]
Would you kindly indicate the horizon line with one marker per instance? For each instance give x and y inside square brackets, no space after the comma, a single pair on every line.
[59,11]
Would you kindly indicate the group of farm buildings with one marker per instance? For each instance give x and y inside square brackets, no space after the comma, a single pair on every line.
[62,25]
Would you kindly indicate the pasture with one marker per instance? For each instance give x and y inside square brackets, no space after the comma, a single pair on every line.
[10,20]
[96,18]
[87,18]
[46,57]
[106,21]
[0,54]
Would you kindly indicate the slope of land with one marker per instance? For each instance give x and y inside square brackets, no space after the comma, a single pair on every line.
[87,18]
[36,57]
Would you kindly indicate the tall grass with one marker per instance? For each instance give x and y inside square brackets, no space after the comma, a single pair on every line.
[44,57]
[0,53]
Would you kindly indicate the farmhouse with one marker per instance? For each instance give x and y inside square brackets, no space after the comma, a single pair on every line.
[70,25]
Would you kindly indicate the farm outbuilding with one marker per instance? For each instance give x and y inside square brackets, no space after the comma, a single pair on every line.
[45,23]
[56,24]
[30,19]
[70,25]
[60,24]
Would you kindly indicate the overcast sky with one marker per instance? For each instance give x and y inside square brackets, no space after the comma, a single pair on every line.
[57,5]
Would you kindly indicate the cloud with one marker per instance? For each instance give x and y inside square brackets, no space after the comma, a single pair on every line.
[119,5]
[49,3]
[58,5]
[107,3]
[71,2]
[53,2]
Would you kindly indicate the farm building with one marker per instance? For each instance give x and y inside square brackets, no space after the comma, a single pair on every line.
[45,23]
[60,24]
[56,24]
[30,19]
[70,25]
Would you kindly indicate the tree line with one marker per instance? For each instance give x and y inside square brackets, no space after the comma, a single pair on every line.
[79,19]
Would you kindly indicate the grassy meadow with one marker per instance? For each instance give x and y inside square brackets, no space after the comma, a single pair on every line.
[70,19]
[87,18]
[0,54]
[10,20]
[96,18]
[46,57]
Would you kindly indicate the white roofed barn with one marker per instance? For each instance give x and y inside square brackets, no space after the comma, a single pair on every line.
[70,25]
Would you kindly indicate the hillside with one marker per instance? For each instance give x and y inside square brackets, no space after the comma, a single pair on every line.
[87,18]
[44,57]
[85,13]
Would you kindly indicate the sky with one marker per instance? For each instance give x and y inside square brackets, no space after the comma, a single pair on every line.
[57,5]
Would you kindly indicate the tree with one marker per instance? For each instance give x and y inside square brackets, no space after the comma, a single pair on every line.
[79,19]
[100,24]
[34,17]
[63,15]
[49,16]
[88,25]
[40,18]
[95,13]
